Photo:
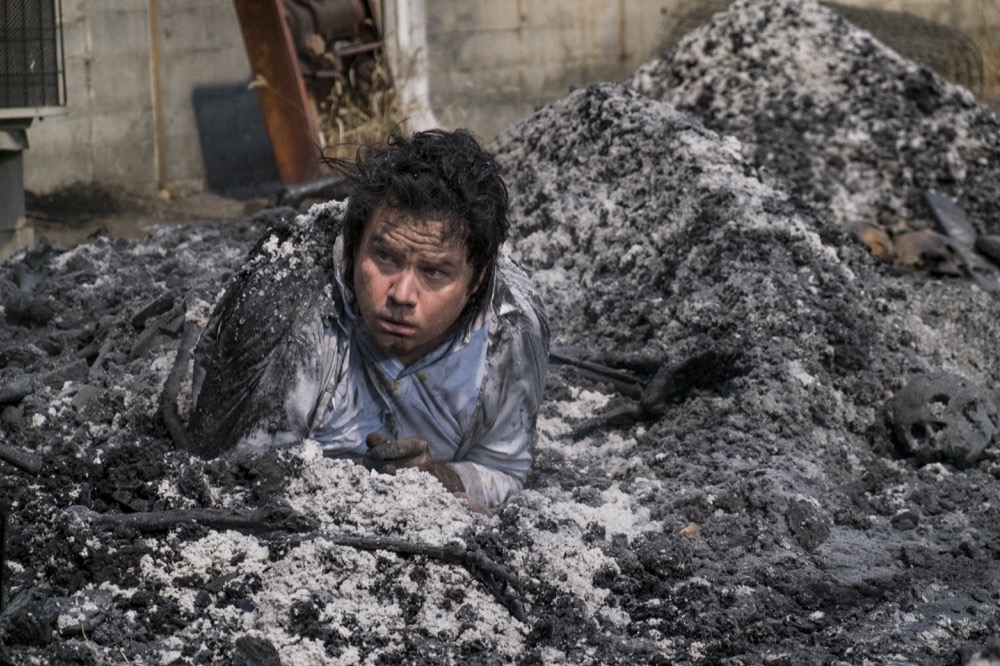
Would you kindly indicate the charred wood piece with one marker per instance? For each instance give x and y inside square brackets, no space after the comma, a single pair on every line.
[263,520]
[172,386]
[3,554]
[26,461]
[672,383]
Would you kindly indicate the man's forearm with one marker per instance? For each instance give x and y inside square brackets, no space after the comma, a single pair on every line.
[447,476]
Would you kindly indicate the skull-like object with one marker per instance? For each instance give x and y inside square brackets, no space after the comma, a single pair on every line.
[944,417]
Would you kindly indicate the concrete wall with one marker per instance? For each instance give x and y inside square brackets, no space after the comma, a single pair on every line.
[491,63]
[110,131]
[486,64]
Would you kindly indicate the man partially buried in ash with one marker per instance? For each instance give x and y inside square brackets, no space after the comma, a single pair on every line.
[388,329]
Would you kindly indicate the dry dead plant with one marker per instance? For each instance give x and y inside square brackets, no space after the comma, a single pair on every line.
[356,113]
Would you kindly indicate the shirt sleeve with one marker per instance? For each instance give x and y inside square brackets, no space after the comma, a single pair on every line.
[257,372]
[490,487]
[495,462]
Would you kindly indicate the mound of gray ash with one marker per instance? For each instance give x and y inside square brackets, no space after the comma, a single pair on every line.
[845,124]
[804,470]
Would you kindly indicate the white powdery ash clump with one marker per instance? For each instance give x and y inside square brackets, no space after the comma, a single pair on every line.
[346,499]
[342,581]
[351,499]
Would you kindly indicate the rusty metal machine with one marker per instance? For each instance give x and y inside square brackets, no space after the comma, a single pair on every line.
[299,50]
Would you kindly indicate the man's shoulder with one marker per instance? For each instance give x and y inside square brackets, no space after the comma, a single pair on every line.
[291,239]
[286,274]
[516,298]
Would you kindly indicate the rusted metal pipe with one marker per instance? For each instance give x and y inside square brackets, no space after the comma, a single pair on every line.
[281,91]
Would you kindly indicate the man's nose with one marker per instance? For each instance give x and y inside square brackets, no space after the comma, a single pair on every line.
[404,288]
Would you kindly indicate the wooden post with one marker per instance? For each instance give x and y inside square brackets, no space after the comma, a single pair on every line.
[159,131]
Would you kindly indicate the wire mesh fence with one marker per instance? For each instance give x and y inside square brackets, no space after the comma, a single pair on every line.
[32,73]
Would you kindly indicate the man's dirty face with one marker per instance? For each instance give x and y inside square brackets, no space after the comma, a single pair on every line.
[412,279]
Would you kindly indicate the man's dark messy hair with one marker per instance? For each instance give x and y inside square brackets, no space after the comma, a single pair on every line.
[434,174]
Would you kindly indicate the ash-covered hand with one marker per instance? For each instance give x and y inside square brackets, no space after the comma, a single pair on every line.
[388,456]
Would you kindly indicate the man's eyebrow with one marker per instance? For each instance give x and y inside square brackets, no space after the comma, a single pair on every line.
[381,242]
[440,264]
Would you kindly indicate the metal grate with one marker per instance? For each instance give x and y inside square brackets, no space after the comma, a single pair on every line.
[32,71]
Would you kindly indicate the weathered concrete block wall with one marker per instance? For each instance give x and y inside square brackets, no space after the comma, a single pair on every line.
[201,45]
[109,133]
[491,63]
